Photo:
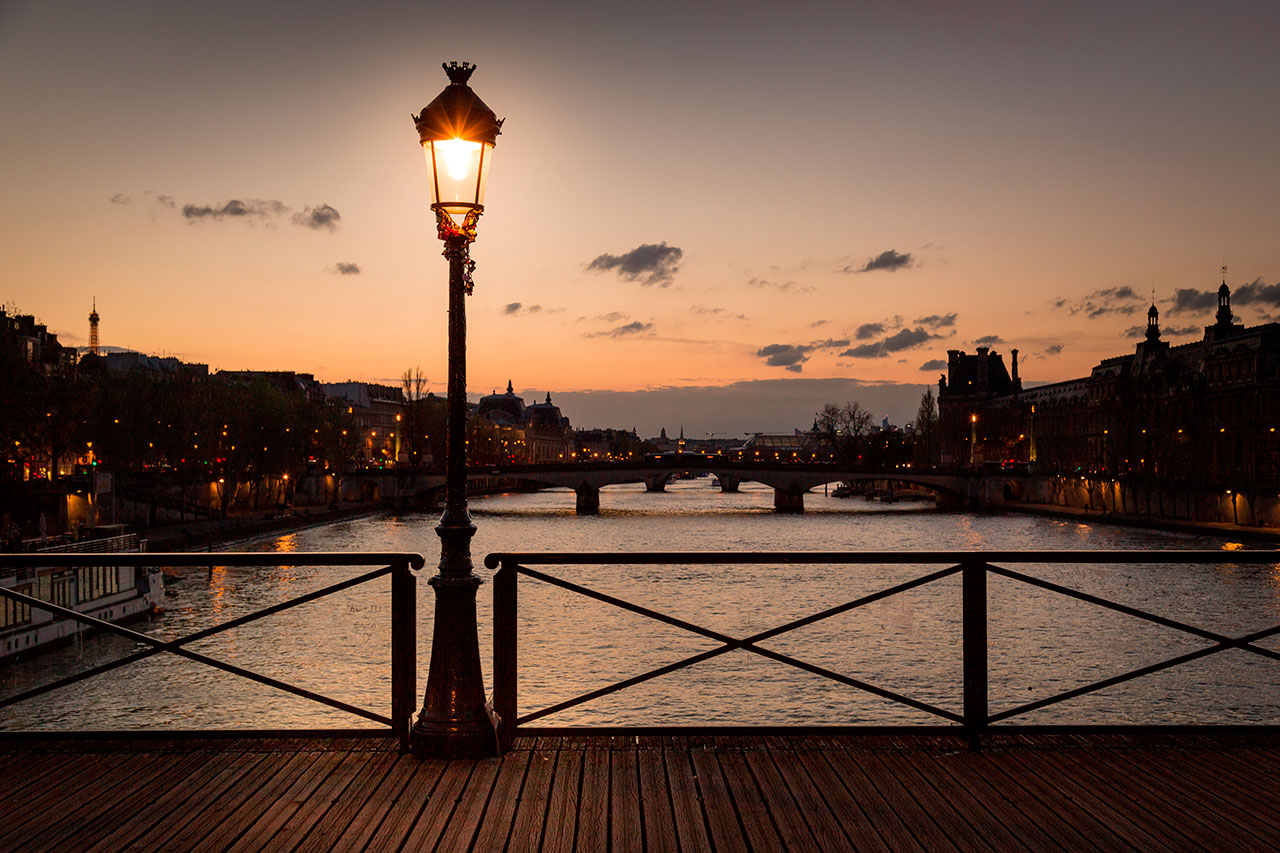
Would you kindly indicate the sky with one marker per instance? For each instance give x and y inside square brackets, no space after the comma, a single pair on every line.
[720,215]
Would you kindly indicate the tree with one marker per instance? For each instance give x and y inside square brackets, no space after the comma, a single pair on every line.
[846,429]
[413,435]
[926,430]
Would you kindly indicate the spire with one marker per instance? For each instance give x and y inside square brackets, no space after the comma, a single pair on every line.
[509,389]
[548,398]
[1153,322]
[93,328]
[1224,300]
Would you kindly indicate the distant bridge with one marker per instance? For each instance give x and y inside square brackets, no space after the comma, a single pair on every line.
[954,487]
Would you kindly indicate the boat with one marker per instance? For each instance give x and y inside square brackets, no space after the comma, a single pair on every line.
[110,593]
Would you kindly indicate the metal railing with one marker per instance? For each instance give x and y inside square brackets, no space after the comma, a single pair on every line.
[973,568]
[401,568]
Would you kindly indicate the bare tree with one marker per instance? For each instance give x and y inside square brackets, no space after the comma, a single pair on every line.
[846,428]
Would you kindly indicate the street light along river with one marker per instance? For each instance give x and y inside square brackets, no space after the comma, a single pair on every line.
[1039,644]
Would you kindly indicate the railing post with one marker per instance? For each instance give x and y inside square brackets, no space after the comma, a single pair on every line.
[974,641]
[505,608]
[404,650]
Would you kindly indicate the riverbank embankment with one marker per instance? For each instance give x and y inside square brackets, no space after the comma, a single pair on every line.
[210,533]
[1225,529]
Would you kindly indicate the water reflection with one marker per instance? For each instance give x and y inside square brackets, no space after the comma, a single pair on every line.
[1040,643]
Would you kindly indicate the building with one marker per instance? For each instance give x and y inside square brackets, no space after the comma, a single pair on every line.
[379,412]
[506,430]
[1204,414]
[35,343]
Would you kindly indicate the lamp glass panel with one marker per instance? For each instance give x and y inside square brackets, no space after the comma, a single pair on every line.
[459,171]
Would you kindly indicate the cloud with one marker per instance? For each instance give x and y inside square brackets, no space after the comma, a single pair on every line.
[937,321]
[869,330]
[775,405]
[1257,292]
[816,323]
[708,311]
[322,217]
[1053,349]
[1110,300]
[650,263]
[1189,300]
[1167,331]
[934,364]
[611,317]
[519,307]
[792,356]
[633,328]
[781,286]
[986,340]
[789,356]
[888,260]
[345,268]
[901,340]
[248,209]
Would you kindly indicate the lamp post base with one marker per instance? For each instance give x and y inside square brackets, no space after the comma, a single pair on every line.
[455,721]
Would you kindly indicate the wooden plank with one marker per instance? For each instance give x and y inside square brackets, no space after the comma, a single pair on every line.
[66,812]
[70,786]
[1186,807]
[686,802]
[370,774]
[227,784]
[285,806]
[722,822]
[395,804]
[1038,826]
[1127,794]
[114,803]
[896,769]
[835,825]
[232,815]
[896,818]
[956,777]
[498,818]
[753,812]
[423,833]
[659,822]
[788,815]
[626,825]
[593,800]
[1080,804]
[562,805]
[141,817]
[460,831]
[1194,777]
[535,796]
[315,805]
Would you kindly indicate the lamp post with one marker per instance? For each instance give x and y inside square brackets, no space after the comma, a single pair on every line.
[457,132]
[973,438]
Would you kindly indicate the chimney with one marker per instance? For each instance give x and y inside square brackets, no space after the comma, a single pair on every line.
[1017,383]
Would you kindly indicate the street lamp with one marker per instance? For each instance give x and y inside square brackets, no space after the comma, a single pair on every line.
[973,436]
[457,132]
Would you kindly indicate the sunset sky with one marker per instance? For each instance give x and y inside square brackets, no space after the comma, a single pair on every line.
[786,202]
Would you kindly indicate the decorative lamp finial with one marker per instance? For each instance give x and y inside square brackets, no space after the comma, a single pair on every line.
[459,73]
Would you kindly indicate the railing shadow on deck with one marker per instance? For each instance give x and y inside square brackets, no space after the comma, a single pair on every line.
[401,567]
[974,568]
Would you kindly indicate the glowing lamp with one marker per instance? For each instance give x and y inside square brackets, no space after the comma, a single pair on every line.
[458,132]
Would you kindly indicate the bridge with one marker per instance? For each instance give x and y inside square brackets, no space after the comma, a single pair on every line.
[955,487]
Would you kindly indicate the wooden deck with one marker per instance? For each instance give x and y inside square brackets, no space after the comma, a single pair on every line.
[804,792]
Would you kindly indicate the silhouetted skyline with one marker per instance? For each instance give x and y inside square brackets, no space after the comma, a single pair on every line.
[712,197]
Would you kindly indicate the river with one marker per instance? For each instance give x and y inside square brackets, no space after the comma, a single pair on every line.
[1039,643]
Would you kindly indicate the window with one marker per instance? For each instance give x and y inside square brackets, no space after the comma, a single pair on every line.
[94,582]
[16,612]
